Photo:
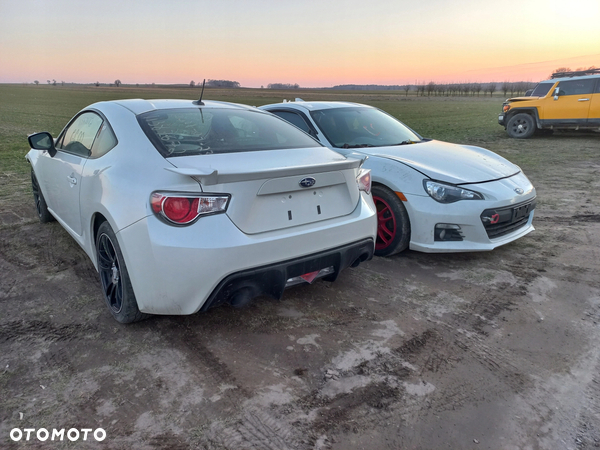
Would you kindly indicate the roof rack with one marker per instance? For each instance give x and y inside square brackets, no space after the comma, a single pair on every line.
[577,73]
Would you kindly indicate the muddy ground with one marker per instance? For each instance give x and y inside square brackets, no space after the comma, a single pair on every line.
[497,350]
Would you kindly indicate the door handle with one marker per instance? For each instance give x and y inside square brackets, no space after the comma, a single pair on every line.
[72,180]
[583,100]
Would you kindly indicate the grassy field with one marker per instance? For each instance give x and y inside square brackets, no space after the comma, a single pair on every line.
[28,108]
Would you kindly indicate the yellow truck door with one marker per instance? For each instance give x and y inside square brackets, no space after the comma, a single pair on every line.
[572,103]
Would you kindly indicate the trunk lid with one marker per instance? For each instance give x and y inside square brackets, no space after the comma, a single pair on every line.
[266,189]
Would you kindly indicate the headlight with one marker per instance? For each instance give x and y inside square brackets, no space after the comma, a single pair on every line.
[446,193]
[505,107]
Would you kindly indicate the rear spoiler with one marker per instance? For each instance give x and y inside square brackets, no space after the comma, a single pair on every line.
[209,176]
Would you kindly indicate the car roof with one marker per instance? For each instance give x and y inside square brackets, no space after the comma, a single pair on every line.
[576,77]
[316,106]
[140,106]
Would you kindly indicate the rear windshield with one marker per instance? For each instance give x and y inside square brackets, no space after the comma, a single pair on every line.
[197,131]
[541,89]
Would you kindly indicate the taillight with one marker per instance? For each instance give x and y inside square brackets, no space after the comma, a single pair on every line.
[364,180]
[184,209]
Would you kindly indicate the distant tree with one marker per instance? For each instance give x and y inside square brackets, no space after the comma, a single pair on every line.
[491,87]
[48,81]
[406,89]
[430,88]
[560,69]
[505,87]
[117,83]
[36,82]
[192,83]
[476,88]
[283,86]
[53,82]
[62,83]
[222,83]
[97,83]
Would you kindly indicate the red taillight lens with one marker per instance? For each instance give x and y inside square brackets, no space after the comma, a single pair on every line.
[364,180]
[183,210]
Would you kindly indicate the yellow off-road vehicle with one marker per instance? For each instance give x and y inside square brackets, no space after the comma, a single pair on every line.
[569,100]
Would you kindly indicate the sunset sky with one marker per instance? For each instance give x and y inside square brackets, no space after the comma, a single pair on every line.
[315,43]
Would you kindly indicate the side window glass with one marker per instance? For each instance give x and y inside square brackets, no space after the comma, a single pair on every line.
[294,119]
[105,141]
[79,137]
[576,87]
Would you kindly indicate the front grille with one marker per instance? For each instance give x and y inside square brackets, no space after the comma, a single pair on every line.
[502,221]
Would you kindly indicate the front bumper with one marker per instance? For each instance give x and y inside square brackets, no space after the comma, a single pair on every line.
[175,270]
[500,196]
[501,119]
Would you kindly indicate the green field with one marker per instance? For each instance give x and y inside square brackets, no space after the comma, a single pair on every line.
[25,109]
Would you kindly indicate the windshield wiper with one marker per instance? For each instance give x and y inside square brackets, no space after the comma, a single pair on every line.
[407,142]
[357,146]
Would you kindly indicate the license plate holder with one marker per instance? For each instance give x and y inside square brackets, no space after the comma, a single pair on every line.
[521,211]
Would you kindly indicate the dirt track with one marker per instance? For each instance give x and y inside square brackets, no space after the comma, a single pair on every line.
[496,350]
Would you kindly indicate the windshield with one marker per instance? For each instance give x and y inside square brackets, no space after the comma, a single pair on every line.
[197,131]
[541,89]
[362,126]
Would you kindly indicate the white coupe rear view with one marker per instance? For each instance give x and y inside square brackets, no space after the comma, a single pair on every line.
[185,205]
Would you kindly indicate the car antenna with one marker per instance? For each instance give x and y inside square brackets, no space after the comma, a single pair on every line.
[199,101]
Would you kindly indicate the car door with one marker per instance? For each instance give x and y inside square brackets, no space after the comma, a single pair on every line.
[572,104]
[594,113]
[61,174]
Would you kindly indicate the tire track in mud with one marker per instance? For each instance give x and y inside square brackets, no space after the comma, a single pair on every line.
[29,330]
[245,426]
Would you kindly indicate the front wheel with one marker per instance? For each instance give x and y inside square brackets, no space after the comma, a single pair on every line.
[116,285]
[393,225]
[521,126]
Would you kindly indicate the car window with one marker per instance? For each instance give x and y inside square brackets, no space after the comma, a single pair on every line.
[354,127]
[541,89]
[80,134]
[294,119]
[576,87]
[196,131]
[105,141]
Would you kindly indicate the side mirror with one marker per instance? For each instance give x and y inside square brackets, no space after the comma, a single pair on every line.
[42,141]
[556,93]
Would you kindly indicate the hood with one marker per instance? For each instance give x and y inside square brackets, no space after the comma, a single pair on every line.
[521,99]
[452,163]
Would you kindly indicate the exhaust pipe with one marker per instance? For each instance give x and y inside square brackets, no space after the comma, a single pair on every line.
[241,297]
[360,259]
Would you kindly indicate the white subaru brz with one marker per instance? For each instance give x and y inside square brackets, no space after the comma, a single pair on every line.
[431,196]
[185,205]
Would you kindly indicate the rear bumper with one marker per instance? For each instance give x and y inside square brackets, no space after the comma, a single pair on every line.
[175,270]
[271,280]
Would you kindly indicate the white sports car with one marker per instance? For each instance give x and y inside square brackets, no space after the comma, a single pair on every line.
[185,205]
[431,196]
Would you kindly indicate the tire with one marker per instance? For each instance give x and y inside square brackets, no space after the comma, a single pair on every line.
[393,224]
[40,202]
[114,278]
[521,126]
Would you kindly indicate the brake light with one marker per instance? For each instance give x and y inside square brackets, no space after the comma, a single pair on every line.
[364,180]
[184,209]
